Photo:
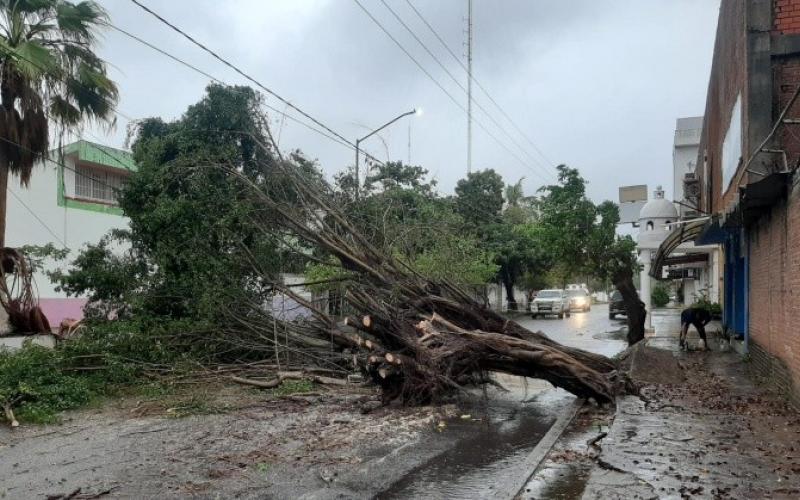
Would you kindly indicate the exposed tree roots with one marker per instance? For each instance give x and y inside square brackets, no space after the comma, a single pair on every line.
[416,338]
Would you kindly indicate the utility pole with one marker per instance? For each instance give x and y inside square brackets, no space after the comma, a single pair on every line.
[469,86]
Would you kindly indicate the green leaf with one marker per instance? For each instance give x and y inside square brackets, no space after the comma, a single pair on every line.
[33,61]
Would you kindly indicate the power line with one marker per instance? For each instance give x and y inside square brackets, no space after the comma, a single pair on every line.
[49,230]
[61,164]
[131,119]
[115,110]
[288,103]
[221,82]
[441,87]
[480,86]
[467,90]
[240,72]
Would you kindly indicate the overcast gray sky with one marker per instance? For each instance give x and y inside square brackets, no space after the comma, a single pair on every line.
[593,84]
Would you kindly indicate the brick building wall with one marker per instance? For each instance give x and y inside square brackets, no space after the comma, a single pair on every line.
[774,303]
[757,54]
[786,17]
[727,81]
[786,78]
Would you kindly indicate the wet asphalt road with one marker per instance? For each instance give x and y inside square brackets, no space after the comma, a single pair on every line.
[503,428]
[591,330]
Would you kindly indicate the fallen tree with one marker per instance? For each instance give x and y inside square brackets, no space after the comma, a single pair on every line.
[417,338]
[240,214]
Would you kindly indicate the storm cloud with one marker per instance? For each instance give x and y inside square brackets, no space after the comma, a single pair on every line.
[594,84]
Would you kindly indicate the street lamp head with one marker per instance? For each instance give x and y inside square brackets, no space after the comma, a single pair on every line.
[418,111]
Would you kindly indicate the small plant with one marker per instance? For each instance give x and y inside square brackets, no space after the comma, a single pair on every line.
[262,468]
[703,302]
[660,295]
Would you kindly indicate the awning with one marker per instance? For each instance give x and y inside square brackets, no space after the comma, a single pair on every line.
[681,234]
[713,233]
[689,258]
[756,198]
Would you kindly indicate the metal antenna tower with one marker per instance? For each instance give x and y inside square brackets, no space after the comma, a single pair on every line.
[469,86]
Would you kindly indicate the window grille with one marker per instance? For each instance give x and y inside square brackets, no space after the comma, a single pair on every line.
[97,184]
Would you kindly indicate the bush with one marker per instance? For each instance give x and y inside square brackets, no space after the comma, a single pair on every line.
[39,383]
[660,296]
[34,381]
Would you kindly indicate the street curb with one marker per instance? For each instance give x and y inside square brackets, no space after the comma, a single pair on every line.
[538,454]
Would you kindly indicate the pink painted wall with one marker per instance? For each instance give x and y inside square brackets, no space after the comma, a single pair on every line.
[59,309]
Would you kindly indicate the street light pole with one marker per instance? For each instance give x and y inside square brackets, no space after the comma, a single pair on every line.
[415,111]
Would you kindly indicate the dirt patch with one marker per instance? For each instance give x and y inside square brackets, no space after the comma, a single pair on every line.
[648,365]
[242,443]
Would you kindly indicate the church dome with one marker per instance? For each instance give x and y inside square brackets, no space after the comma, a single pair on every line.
[658,208]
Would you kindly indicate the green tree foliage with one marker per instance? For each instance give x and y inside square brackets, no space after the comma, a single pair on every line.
[568,220]
[511,233]
[458,258]
[401,212]
[48,73]
[112,279]
[660,295]
[193,239]
[479,197]
[519,208]
[582,239]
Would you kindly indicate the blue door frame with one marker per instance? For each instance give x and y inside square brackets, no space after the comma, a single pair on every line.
[734,313]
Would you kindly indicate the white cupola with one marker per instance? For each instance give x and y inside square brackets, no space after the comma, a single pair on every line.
[657,213]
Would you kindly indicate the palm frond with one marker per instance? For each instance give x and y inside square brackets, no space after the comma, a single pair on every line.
[51,76]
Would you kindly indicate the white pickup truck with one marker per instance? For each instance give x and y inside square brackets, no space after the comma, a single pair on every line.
[550,302]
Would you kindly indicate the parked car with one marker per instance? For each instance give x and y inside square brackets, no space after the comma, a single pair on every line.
[553,301]
[615,305]
[579,300]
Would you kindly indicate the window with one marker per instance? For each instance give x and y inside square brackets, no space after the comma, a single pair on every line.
[97,184]
[732,145]
[650,225]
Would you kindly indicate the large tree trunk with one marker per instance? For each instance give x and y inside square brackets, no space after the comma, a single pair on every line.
[508,283]
[634,307]
[3,201]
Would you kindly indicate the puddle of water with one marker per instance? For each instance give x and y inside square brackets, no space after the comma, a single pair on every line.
[565,482]
[489,453]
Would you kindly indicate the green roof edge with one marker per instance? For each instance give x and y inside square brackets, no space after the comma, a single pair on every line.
[100,154]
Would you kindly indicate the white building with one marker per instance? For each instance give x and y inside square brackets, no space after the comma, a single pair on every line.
[655,220]
[70,202]
[666,242]
[684,160]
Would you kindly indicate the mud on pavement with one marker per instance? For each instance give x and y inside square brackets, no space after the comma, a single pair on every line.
[716,435]
[319,446]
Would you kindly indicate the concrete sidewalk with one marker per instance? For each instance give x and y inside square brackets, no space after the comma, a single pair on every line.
[716,435]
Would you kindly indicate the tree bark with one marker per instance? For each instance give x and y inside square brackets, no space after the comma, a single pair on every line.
[508,283]
[3,201]
[634,307]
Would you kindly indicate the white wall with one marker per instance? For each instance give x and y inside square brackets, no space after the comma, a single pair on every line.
[35,218]
[686,146]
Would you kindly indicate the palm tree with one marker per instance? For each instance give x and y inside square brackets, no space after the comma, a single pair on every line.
[49,75]
[515,193]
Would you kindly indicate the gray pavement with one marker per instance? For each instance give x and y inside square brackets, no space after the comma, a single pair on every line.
[717,435]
